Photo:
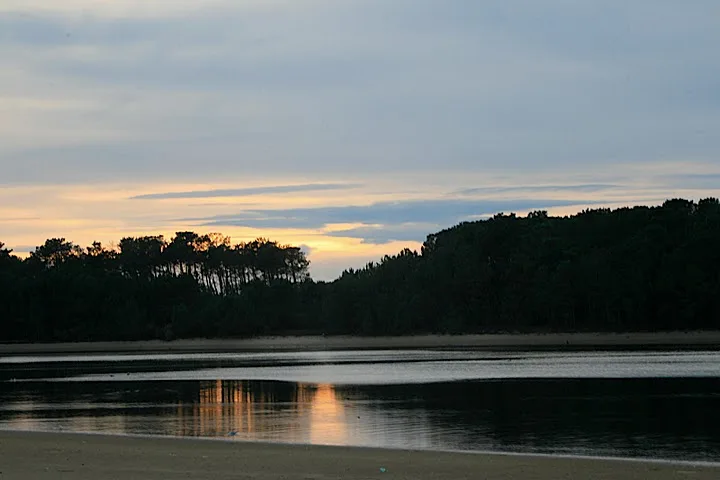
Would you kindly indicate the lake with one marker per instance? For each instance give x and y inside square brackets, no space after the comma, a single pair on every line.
[663,405]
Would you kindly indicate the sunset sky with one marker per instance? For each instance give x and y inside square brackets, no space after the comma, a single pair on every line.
[351,127]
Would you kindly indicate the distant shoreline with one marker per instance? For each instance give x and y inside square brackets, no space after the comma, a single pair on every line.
[50,455]
[551,341]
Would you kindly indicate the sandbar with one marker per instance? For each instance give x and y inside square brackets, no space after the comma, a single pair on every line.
[38,455]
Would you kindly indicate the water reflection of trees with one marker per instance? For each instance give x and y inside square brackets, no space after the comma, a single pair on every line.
[627,417]
[303,413]
[259,410]
[614,416]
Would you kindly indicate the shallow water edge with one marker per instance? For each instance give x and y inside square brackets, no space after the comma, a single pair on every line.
[559,341]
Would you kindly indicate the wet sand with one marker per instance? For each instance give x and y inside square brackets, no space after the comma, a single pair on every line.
[33,455]
[570,341]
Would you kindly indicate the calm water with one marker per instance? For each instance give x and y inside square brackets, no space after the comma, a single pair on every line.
[660,405]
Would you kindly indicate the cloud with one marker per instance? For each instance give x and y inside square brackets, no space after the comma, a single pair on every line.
[695,181]
[21,248]
[440,212]
[243,192]
[142,10]
[586,188]
[383,234]
[306,249]
[230,87]
[19,219]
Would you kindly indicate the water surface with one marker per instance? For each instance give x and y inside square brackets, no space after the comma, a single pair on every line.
[649,404]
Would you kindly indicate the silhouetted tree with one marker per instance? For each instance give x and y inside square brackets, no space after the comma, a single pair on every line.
[640,268]
[54,252]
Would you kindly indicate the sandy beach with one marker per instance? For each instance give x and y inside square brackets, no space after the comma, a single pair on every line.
[32,455]
[665,340]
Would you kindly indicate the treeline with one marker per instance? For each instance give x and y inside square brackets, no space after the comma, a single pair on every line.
[147,287]
[630,269]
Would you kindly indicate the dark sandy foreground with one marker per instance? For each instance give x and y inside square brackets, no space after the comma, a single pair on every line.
[568,341]
[93,457]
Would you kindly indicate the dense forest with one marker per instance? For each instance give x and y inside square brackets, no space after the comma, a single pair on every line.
[630,269]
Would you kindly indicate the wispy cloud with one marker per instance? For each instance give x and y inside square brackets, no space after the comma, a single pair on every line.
[21,248]
[694,181]
[382,234]
[585,188]
[244,192]
[434,211]
[18,219]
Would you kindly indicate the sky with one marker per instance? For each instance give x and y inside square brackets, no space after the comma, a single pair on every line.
[352,128]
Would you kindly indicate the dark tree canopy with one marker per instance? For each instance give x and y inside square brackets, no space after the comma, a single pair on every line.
[192,285]
[630,269]
[641,268]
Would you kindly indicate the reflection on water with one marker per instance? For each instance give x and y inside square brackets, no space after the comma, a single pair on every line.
[671,417]
[297,413]
[268,411]
[328,424]
[665,418]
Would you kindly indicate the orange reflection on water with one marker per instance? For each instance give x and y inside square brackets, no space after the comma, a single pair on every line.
[222,407]
[327,417]
[301,413]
